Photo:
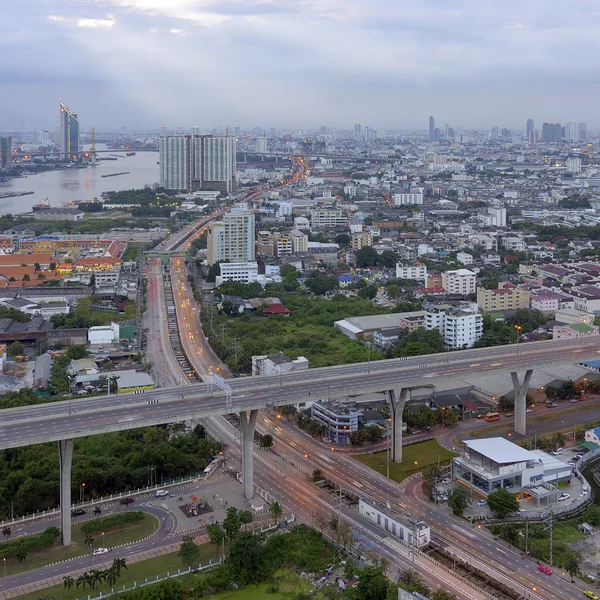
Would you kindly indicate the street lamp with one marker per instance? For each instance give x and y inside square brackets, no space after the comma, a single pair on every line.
[82,495]
[518,329]
[443,409]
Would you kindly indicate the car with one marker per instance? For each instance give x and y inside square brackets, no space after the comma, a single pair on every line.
[557,452]
[564,496]
[160,493]
[99,551]
[529,410]
[127,500]
[579,455]
[545,570]
[78,512]
[481,502]
[574,400]
[446,481]
[590,594]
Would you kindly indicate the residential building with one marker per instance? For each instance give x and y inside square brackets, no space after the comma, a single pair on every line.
[546,302]
[265,245]
[261,144]
[69,132]
[244,272]
[506,297]
[339,420]
[573,331]
[275,364]
[593,436]
[433,280]
[5,153]
[327,217]
[408,198]
[219,163]
[412,322]
[573,165]
[401,526]
[515,244]
[411,272]
[361,240]
[283,245]
[175,152]
[464,258]
[232,238]
[459,282]
[498,216]
[387,337]
[460,327]
[299,241]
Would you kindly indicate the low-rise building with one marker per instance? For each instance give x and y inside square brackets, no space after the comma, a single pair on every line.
[411,272]
[573,331]
[459,282]
[327,217]
[339,420]
[387,337]
[412,322]
[506,297]
[460,327]
[464,258]
[243,272]
[134,382]
[409,198]
[275,364]
[103,335]
[593,436]
[572,315]
[361,240]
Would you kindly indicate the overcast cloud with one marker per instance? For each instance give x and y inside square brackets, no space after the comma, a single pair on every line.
[299,63]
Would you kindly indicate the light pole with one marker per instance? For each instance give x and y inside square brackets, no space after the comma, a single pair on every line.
[103,539]
[518,329]
[443,409]
[388,446]
[4,560]
[82,495]
[369,359]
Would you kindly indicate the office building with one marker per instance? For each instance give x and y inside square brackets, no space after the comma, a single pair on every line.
[411,272]
[410,198]
[69,132]
[551,132]
[357,131]
[460,282]
[232,238]
[5,153]
[44,138]
[530,126]
[243,272]
[261,144]
[460,327]
[339,420]
[328,217]
[506,297]
[431,129]
[194,162]
[573,165]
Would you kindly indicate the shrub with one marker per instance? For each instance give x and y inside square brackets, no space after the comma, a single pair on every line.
[111,521]
[29,542]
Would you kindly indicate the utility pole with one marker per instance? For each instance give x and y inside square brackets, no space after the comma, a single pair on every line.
[526,534]
[551,538]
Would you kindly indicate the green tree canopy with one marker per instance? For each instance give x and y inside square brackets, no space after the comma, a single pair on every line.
[502,503]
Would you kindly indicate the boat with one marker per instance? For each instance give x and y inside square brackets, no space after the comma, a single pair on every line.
[45,203]
[115,174]
[130,154]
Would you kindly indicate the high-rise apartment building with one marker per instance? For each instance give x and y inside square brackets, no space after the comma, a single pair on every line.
[460,327]
[357,131]
[194,162]
[530,127]
[69,132]
[195,130]
[232,238]
[44,137]
[5,153]
[575,132]
[431,129]
[573,165]
[460,282]
[551,132]
[261,144]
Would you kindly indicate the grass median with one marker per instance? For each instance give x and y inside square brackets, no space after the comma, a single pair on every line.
[109,538]
[415,457]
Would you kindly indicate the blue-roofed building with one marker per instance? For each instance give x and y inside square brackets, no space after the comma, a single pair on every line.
[345,280]
[593,365]
[592,436]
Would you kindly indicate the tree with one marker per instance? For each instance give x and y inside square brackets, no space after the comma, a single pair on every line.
[216,535]
[96,577]
[26,277]
[6,532]
[368,292]
[118,564]
[244,557]
[266,441]
[97,511]
[502,503]
[16,349]
[232,522]
[458,499]
[275,510]
[89,541]
[110,576]
[372,585]
[441,594]
[393,290]
[387,259]
[21,556]
[189,551]
[83,308]
[68,583]
[572,564]
[77,351]
[366,257]
[246,517]
[41,277]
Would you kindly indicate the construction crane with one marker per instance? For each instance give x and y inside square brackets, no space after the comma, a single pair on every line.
[93,153]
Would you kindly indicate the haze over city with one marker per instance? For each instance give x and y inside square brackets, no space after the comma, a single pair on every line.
[141,63]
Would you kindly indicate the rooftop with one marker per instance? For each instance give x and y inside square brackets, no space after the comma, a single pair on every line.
[499,450]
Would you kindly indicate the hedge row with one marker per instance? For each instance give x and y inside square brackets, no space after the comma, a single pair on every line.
[111,521]
[29,542]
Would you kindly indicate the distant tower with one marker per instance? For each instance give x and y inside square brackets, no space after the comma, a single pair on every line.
[195,130]
[93,153]
[530,127]
[431,129]
[69,132]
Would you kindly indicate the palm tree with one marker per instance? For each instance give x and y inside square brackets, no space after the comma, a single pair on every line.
[118,564]
[6,531]
[97,510]
[81,581]
[88,541]
[21,556]
[110,576]
[68,582]
[96,577]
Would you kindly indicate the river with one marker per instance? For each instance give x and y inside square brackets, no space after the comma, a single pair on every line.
[64,185]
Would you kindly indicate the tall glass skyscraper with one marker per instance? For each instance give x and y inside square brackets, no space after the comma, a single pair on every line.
[69,132]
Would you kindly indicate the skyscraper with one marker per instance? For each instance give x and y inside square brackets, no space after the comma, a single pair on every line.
[431,129]
[261,144]
[5,153]
[357,131]
[195,130]
[193,162]
[530,126]
[551,132]
[69,132]
[232,238]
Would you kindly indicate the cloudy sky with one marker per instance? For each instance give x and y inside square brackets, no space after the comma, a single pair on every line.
[299,63]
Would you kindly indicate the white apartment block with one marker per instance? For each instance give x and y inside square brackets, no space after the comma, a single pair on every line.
[410,198]
[361,240]
[460,327]
[573,165]
[411,272]
[299,241]
[459,282]
[498,216]
[284,209]
[514,243]
[425,249]
[232,238]
[350,190]
[464,258]
[327,217]
[244,272]
[283,245]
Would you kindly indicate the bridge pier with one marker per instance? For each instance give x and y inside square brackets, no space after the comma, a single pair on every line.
[520,388]
[248,427]
[65,455]
[397,400]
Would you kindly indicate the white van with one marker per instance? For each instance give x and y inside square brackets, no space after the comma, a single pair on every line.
[160,493]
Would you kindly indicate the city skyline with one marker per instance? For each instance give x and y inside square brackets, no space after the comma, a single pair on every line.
[287,64]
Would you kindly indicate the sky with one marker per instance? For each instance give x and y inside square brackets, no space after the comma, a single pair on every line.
[388,64]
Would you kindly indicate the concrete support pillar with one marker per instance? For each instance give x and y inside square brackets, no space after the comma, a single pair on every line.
[520,388]
[397,399]
[65,454]
[248,426]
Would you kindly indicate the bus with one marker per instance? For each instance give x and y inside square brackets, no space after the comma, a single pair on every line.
[492,416]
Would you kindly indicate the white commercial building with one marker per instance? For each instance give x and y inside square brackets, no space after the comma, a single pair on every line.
[464,258]
[409,198]
[328,217]
[411,272]
[244,272]
[460,282]
[460,327]
[232,238]
[573,165]
[104,334]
